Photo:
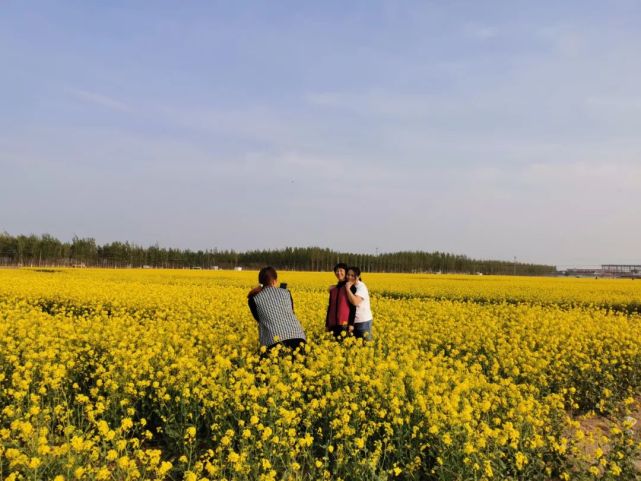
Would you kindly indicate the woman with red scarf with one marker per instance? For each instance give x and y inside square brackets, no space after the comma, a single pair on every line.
[340,312]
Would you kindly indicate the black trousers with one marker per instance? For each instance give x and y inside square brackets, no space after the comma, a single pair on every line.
[338,331]
[291,345]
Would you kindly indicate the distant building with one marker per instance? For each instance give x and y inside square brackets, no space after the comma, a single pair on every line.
[621,270]
[629,271]
[238,268]
[582,272]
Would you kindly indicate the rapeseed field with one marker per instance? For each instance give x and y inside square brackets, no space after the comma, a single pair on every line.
[145,374]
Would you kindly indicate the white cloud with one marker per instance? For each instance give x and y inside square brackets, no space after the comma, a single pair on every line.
[331,99]
[614,103]
[596,176]
[100,100]
[565,39]
[481,32]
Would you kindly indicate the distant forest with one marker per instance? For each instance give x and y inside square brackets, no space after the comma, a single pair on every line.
[46,250]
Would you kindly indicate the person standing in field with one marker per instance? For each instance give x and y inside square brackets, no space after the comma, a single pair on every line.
[340,313]
[363,318]
[273,308]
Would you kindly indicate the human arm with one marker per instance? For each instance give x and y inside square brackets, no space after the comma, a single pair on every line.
[351,296]
[352,312]
[253,308]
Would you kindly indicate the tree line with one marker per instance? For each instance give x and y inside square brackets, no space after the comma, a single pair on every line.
[46,250]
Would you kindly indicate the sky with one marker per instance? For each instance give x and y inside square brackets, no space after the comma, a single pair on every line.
[492,129]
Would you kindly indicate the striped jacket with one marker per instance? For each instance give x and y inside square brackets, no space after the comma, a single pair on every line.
[273,309]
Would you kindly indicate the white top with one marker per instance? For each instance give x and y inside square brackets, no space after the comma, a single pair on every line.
[363,310]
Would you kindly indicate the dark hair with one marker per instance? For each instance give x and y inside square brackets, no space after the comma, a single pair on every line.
[356,271]
[340,265]
[267,275]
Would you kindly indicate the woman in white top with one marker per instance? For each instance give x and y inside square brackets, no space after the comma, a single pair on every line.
[363,319]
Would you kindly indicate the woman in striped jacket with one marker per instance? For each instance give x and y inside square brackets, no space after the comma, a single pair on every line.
[273,308]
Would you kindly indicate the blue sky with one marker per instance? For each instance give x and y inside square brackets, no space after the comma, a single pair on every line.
[493,129]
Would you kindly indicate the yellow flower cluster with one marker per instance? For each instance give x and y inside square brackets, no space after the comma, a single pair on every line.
[145,374]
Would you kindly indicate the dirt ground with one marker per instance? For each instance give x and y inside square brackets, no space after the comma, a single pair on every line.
[599,426]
